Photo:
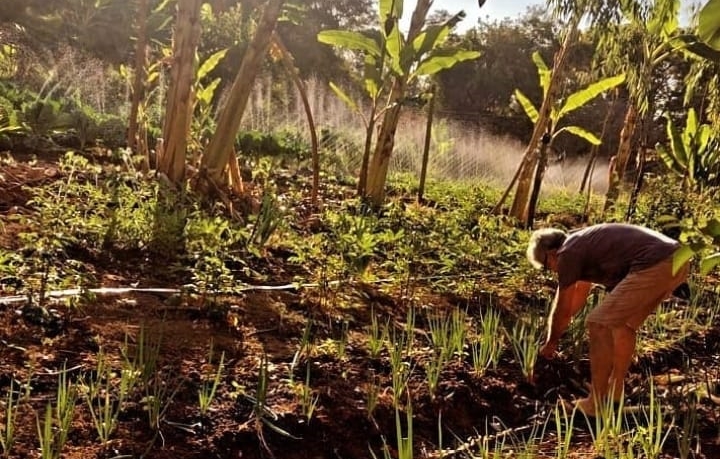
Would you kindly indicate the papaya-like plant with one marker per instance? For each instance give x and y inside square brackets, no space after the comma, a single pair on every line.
[694,153]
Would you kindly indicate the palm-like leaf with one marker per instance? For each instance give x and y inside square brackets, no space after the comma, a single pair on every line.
[527,105]
[583,96]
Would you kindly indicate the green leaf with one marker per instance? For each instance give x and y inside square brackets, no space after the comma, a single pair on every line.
[662,21]
[430,38]
[527,105]
[342,95]
[394,46]
[709,24]
[543,71]
[583,96]
[582,133]
[712,228]
[676,145]
[210,63]
[205,94]
[373,77]
[444,59]
[668,158]
[708,263]
[349,40]
[390,8]
[681,256]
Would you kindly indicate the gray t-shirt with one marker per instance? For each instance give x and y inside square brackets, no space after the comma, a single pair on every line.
[604,254]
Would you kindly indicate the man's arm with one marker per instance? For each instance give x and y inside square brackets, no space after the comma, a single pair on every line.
[568,301]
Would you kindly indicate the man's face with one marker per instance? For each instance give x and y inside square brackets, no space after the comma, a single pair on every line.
[550,261]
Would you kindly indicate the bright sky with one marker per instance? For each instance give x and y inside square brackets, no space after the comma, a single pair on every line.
[499,9]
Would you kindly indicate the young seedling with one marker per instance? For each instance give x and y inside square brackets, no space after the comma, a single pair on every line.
[208,387]
[7,438]
[46,436]
[433,369]
[377,337]
[651,432]
[488,344]
[525,340]
[104,400]
[67,395]
[308,400]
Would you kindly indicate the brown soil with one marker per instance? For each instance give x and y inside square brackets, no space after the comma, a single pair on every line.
[246,327]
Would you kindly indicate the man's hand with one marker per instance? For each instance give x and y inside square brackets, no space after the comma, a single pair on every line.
[549,349]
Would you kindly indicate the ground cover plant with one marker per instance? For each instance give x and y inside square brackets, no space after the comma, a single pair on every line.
[256,302]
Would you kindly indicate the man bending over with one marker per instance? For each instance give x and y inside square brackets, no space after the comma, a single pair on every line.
[634,264]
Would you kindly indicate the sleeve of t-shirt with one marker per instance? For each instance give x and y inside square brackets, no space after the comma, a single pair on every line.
[569,269]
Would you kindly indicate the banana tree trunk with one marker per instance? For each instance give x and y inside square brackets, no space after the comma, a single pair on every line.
[380,162]
[426,145]
[539,175]
[292,70]
[217,155]
[623,155]
[369,131]
[528,165]
[138,88]
[178,111]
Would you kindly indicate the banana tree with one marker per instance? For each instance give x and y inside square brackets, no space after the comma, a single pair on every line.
[393,61]
[652,31]
[528,165]
[557,112]
[709,24]
[693,154]
[219,151]
[178,111]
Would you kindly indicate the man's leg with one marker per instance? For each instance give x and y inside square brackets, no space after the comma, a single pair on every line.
[612,327]
[601,365]
[624,348]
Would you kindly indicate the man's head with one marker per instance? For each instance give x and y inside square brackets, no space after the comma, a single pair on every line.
[543,247]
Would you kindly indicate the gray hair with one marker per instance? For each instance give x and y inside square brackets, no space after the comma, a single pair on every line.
[543,241]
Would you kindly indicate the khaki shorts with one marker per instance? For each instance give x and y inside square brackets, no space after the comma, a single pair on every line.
[637,295]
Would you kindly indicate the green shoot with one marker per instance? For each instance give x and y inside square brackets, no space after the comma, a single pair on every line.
[7,439]
[208,387]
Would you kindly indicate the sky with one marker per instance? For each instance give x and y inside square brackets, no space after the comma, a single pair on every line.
[499,9]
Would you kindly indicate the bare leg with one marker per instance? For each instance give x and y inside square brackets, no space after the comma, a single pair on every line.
[624,348]
[601,365]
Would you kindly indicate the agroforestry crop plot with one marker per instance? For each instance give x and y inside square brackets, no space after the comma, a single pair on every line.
[414,366]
